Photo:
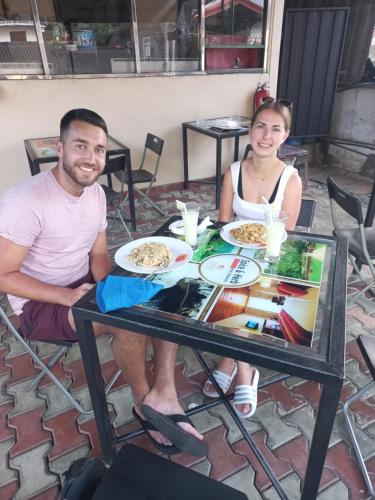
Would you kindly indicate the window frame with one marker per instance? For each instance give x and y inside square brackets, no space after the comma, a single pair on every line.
[46,75]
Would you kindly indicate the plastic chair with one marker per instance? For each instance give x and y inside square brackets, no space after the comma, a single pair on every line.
[306,214]
[366,344]
[154,147]
[114,198]
[361,240]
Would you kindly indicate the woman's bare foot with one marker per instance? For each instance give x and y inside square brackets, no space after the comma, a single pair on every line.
[226,365]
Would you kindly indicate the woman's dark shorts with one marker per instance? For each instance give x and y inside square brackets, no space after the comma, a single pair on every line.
[49,322]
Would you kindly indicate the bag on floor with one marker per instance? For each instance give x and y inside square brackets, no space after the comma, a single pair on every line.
[82,478]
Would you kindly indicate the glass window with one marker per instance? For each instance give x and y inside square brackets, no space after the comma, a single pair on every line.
[19,48]
[234,34]
[168,35]
[84,37]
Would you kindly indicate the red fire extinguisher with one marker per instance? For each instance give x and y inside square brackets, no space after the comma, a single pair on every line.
[261,93]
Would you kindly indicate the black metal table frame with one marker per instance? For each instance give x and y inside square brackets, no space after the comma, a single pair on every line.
[219,136]
[327,370]
[34,164]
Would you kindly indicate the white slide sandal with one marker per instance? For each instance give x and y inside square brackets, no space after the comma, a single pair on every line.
[247,394]
[224,381]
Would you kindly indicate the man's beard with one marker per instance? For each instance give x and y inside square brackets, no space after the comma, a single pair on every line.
[72,173]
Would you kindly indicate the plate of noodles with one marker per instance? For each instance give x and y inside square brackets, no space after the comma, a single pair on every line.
[246,234]
[156,254]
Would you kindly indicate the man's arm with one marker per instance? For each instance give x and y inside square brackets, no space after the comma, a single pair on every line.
[100,261]
[16,283]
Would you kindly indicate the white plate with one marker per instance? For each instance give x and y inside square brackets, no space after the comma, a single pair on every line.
[181,252]
[177,227]
[227,236]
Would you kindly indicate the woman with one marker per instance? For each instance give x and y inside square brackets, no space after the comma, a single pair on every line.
[246,185]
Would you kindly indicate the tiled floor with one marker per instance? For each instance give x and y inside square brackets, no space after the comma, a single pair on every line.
[40,435]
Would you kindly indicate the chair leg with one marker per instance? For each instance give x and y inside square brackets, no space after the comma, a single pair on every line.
[356,448]
[40,363]
[112,381]
[118,212]
[147,199]
[51,363]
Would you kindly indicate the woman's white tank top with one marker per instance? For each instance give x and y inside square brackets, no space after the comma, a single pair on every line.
[246,210]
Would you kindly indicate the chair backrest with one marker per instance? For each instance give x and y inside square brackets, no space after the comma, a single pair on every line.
[306,214]
[115,164]
[347,201]
[154,143]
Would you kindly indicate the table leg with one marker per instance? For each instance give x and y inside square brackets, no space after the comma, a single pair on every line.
[218,172]
[236,148]
[329,400]
[306,171]
[130,191]
[90,359]
[185,155]
[369,219]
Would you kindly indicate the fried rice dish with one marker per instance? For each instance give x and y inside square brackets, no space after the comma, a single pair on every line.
[253,234]
[151,255]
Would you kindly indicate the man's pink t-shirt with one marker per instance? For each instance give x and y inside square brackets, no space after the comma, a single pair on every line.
[60,229]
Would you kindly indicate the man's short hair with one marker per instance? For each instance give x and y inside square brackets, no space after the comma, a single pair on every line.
[82,115]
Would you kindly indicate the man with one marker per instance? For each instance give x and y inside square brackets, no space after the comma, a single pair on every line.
[53,246]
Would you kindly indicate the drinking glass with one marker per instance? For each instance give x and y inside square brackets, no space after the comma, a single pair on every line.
[190,217]
[275,227]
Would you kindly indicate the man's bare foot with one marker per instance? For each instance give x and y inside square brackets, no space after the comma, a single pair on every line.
[226,365]
[168,404]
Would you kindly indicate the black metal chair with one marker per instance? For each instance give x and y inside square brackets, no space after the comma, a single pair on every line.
[153,148]
[46,368]
[306,214]
[366,344]
[361,240]
[115,199]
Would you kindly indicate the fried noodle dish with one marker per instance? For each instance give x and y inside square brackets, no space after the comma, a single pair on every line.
[253,234]
[151,255]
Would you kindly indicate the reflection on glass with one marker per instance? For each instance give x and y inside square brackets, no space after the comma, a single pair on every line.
[19,49]
[234,33]
[83,37]
[168,35]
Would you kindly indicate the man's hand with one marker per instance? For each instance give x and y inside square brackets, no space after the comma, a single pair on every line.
[69,296]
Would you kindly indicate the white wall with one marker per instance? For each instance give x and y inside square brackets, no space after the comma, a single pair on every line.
[353,119]
[132,107]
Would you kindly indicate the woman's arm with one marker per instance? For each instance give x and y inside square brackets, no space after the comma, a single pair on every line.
[292,200]
[226,198]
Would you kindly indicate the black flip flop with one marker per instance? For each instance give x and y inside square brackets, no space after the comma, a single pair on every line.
[168,426]
[147,426]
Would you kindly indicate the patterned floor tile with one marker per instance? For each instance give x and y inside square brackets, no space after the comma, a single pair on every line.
[24,400]
[65,433]
[3,368]
[51,494]
[29,431]
[339,457]
[7,474]
[279,467]
[244,481]
[32,465]
[286,400]
[5,431]
[8,491]
[223,460]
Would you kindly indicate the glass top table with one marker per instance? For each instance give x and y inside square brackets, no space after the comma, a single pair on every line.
[289,317]
[221,128]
